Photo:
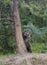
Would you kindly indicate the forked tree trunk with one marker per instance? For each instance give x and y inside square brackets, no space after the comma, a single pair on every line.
[18,31]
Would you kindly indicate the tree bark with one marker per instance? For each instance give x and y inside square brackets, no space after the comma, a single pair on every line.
[18,31]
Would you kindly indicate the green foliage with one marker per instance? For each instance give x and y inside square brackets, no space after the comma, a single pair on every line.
[36,11]
[7,2]
[38,47]
[34,19]
[33,16]
[7,40]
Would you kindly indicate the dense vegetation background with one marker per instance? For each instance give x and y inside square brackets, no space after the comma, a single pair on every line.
[33,14]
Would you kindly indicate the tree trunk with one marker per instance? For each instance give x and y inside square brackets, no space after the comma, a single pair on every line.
[18,31]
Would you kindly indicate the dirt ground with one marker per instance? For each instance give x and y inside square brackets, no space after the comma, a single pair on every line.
[25,59]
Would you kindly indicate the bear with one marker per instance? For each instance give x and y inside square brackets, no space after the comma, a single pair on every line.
[26,37]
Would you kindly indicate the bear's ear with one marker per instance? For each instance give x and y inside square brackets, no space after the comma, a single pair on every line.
[25,33]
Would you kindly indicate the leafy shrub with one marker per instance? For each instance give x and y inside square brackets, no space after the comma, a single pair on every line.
[38,47]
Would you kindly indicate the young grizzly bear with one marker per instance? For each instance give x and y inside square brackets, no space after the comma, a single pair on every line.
[26,37]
